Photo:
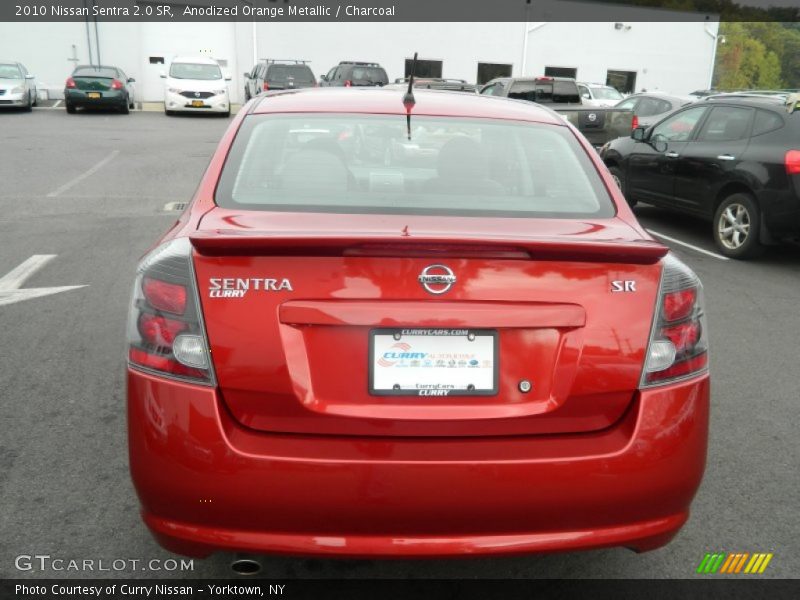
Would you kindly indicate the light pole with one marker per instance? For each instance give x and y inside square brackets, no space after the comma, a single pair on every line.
[716,37]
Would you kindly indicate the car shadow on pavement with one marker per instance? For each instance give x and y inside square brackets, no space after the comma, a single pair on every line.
[697,231]
[613,562]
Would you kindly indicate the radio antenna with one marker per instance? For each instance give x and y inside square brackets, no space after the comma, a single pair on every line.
[408,97]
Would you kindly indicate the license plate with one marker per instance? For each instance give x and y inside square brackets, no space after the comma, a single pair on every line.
[198,103]
[93,95]
[433,362]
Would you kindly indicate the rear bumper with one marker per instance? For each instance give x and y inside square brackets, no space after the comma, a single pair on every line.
[108,98]
[207,484]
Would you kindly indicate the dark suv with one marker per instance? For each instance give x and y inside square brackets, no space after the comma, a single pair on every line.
[352,74]
[271,74]
[734,160]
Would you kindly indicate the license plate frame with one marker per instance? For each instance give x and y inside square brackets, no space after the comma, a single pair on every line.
[416,335]
[198,104]
[94,95]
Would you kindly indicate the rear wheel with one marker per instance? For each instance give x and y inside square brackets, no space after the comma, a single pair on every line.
[70,107]
[737,223]
[125,108]
[619,179]
[35,98]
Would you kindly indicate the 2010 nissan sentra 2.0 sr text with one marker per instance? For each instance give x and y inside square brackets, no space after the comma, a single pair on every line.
[429,329]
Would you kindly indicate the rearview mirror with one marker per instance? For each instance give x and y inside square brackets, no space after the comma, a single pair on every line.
[227,78]
[639,134]
[323,78]
[131,80]
[163,75]
[586,95]
[247,75]
[29,76]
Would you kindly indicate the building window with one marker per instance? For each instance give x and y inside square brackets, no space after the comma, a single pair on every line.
[561,72]
[425,68]
[156,60]
[488,71]
[623,81]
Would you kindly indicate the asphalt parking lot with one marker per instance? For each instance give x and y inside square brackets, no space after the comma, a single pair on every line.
[91,189]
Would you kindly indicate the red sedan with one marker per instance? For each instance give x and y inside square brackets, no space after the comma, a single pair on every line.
[412,330]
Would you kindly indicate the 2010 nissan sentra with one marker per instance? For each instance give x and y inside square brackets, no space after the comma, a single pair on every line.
[412,330]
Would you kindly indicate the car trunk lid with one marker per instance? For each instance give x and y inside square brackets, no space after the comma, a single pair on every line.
[293,313]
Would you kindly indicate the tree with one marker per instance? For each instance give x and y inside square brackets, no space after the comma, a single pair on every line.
[744,61]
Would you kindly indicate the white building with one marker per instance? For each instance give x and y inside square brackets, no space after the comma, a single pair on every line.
[643,52]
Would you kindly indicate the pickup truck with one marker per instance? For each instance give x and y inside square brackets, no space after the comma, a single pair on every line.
[599,125]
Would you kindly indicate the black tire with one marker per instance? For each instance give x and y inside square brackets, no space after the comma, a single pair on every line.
[29,106]
[70,107]
[35,98]
[125,108]
[169,113]
[619,178]
[736,227]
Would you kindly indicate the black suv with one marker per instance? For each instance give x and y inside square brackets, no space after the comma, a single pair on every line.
[271,74]
[351,74]
[735,160]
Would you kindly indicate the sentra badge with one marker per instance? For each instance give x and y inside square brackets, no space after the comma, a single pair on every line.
[236,288]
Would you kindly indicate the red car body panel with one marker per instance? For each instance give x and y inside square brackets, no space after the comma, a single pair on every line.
[206,483]
[289,453]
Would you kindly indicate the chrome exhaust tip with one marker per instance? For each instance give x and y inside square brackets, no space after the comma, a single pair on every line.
[245,565]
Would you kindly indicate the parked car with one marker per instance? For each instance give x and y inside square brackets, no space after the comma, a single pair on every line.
[597,94]
[196,84]
[479,353]
[100,86]
[17,86]
[437,83]
[650,107]
[271,74]
[354,74]
[735,161]
[599,125]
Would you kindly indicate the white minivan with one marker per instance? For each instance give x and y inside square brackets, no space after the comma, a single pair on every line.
[196,84]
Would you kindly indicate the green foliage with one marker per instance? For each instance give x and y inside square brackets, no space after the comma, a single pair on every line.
[758,55]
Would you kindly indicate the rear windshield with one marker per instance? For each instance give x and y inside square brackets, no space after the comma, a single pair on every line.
[104,72]
[545,92]
[343,163]
[370,74]
[195,71]
[280,73]
[10,72]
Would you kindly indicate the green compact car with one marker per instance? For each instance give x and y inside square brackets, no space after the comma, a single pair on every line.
[99,86]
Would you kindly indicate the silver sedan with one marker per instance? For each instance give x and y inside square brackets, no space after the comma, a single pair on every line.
[17,86]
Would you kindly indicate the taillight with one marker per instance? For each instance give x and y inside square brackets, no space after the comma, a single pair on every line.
[116,84]
[634,122]
[792,162]
[348,83]
[265,87]
[678,345]
[165,326]
[70,82]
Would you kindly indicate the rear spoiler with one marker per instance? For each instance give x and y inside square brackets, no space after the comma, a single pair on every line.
[231,242]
